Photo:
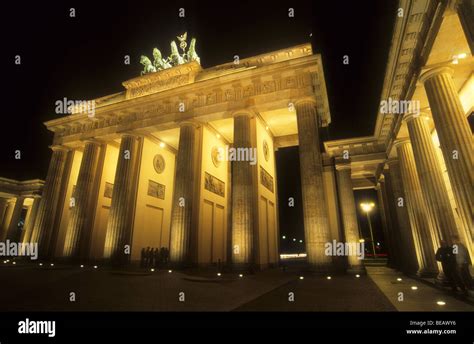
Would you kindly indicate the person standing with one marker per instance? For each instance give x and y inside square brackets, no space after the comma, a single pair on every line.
[463,262]
[444,254]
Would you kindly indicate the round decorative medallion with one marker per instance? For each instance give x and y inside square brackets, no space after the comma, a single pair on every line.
[265,150]
[159,163]
[215,156]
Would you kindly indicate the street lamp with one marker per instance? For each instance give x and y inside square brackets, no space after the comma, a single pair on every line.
[367,208]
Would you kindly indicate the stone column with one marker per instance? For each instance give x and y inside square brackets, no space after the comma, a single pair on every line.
[12,233]
[391,214]
[410,256]
[417,211]
[455,138]
[79,230]
[183,198]
[3,210]
[119,224]
[7,215]
[33,212]
[349,215]
[43,231]
[242,197]
[431,178]
[316,223]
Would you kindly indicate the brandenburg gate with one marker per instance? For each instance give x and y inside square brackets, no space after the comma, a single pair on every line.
[147,169]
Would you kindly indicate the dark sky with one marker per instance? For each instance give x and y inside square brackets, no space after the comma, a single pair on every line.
[83,57]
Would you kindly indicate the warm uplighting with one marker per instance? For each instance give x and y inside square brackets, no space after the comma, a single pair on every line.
[440,303]
[414,287]
[162,144]
[399,279]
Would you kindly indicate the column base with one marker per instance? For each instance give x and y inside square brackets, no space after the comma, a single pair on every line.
[427,273]
[356,270]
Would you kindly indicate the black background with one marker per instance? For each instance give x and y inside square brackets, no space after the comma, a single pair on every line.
[83,58]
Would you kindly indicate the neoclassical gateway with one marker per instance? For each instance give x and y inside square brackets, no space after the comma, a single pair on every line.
[147,169]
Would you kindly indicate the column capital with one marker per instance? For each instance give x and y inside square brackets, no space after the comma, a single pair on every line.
[55,148]
[308,100]
[435,72]
[244,112]
[342,164]
[401,142]
[92,140]
[411,116]
[392,161]
[189,123]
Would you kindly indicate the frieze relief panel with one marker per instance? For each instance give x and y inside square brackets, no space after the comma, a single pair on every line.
[156,190]
[214,185]
[266,179]
[198,99]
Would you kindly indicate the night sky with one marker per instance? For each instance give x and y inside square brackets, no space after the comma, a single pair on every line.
[83,58]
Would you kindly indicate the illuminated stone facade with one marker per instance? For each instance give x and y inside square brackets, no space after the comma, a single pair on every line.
[144,169]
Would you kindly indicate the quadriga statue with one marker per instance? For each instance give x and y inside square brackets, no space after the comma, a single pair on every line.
[159,62]
[148,66]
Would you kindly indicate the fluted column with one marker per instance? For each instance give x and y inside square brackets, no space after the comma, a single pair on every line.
[119,224]
[455,138]
[12,233]
[183,199]
[43,229]
[242,197]
[422,227]
[431,178]
[316,223]
[32,213]
[394,227]
[10,206]
[3,210]
[349,214]
[79,231]
[408,248]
